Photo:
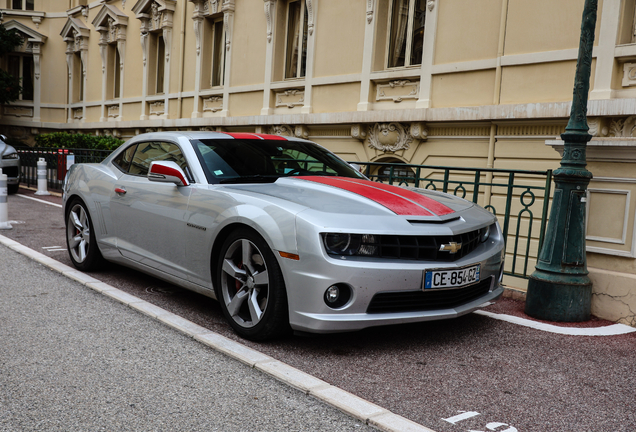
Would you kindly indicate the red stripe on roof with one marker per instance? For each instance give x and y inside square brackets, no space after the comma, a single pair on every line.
[392,201]
[246,135]
[242,135]
[431,204]
[272,137]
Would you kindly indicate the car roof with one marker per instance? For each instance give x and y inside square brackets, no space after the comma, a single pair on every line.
[212,135]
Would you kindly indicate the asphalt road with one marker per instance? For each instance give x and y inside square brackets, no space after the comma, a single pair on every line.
[468,374]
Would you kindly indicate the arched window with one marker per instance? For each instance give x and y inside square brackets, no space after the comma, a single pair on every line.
[401,174]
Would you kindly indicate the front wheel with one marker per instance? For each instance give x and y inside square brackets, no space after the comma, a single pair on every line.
[250,287]
[80,238]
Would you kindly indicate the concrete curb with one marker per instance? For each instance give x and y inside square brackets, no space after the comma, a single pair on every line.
[342,400]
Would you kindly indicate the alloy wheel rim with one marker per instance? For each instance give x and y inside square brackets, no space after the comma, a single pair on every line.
[245,283]
[78,233]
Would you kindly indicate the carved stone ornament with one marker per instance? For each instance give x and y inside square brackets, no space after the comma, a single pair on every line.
[419,131]
[269,10]
[398,90]
[625,127]
[113,111]
[301,132]
[629,74]
[359,131]
[389,137]
[78,113]
[213,104]
[369,11]
[594,125]
[284,130]
[310,16]
[430,4]
[598,127]
[157,108]
[290,98]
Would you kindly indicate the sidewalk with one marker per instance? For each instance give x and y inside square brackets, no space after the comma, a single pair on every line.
[72,359]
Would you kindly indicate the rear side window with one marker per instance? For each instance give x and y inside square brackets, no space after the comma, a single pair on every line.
[123,160]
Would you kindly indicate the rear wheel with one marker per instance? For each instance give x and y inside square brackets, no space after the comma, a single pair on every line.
[13,188]
[80,238]
[250,287]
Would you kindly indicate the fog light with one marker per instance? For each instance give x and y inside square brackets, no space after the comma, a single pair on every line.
[338,295]
[332,294]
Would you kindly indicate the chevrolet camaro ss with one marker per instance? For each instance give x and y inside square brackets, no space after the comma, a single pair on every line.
[282,232]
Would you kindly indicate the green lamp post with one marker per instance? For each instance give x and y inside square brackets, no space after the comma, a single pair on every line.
[559,289]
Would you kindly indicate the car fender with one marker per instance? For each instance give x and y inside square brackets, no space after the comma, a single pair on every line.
[92,184]
[276,225]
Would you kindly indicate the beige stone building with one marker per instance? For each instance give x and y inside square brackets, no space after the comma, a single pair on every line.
[459,83]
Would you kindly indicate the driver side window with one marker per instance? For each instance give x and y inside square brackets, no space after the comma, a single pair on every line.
[149,152]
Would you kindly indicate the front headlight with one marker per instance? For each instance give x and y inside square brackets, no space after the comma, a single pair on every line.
[484,234]
[11,156]
[350,244]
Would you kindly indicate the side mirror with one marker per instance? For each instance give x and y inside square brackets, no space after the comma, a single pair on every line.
[167,172]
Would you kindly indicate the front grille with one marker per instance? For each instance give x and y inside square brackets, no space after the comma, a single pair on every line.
[11,171]
[426,248]
[416,301]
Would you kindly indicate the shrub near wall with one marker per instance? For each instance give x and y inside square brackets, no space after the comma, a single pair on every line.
[65,140]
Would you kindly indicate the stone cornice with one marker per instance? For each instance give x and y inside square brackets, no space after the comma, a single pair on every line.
[619,149]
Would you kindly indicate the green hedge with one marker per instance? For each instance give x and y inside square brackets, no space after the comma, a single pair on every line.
[67,140]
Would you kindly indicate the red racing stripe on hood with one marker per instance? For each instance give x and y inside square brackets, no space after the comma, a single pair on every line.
[431,204]
[398,200]
[393,202]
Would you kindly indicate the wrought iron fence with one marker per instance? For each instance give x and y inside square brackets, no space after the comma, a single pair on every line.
[519,198]
[56,163]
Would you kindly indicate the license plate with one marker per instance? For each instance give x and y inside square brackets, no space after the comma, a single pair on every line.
[434,279]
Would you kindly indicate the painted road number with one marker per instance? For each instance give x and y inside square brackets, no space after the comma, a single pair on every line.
[451,278]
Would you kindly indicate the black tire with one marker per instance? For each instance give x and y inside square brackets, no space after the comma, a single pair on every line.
[258,284]
[13,188]
[80,238]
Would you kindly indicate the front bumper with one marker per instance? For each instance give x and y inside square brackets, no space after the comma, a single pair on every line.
[308,279]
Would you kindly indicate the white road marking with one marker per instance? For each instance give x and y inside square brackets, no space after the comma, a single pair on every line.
[610,330]
[53,248]
[39,200]
[460,417]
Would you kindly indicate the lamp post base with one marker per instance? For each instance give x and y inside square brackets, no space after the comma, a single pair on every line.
[550,299]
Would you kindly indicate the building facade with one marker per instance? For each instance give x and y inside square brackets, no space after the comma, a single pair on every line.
[483,84]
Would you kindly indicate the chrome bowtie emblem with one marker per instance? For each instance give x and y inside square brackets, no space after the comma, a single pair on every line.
[451,247]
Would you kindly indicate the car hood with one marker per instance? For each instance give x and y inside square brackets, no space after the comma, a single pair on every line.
[360,197]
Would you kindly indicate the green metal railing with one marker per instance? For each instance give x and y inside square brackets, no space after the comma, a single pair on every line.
[511,195]
[516,197]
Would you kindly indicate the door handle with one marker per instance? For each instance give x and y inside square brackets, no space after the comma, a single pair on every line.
[120,191]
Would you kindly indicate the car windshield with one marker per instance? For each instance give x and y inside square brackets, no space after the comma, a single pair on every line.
[264,161]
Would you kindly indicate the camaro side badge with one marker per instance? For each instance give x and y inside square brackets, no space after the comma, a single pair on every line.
[451,247]
[196,226]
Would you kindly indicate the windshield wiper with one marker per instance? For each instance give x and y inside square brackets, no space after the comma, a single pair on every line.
[258,178]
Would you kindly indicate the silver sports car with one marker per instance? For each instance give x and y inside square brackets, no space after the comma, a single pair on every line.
[286,235]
